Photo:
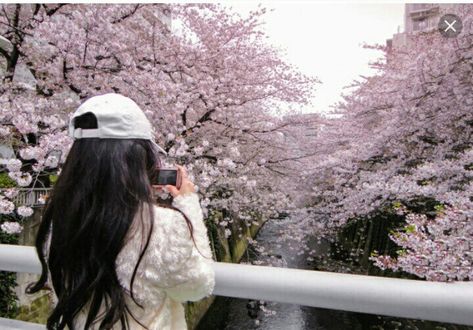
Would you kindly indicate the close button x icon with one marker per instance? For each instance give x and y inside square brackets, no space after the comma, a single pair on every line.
[450,25]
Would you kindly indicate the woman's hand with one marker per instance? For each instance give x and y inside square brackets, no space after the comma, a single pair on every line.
[186,185]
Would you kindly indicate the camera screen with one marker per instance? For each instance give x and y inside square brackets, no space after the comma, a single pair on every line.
[167,177]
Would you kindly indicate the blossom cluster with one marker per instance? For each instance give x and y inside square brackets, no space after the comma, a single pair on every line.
[440,249]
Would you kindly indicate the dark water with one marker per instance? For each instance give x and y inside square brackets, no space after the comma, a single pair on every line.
[238,314]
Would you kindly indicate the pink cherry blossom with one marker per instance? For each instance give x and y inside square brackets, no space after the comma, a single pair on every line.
[25,211]
[6,207]
[11,227]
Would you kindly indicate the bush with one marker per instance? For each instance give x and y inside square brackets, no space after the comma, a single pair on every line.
[6,181]
[8,298]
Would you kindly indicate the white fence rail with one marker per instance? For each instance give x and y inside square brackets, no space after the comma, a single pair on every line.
[30,196]
[434,301]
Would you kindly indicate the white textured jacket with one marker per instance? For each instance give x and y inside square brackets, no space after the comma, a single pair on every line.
[172,270]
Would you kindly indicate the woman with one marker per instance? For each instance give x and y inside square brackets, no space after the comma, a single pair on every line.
[116,259]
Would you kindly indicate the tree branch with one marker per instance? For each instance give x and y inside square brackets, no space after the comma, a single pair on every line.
[124,17]
[52,11]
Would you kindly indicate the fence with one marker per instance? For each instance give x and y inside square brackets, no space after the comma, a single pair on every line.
[434,301]
[30,196]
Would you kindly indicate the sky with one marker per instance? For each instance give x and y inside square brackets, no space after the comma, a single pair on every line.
[325,39]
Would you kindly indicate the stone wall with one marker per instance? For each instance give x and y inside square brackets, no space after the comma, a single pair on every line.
[35,307]
[229,249]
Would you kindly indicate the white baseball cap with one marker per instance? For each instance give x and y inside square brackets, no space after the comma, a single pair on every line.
[118,117]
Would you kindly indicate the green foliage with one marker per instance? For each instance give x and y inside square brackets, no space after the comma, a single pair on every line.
[8,299]
[401,252]
[410,228]
[53,178]
[424,182]
[397,205]
[8,303]
[6,181]
[439,209]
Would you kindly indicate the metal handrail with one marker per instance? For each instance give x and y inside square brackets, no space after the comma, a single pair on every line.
[29,196]
[433,301]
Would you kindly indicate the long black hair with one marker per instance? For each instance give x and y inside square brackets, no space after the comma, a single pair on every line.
[102,185]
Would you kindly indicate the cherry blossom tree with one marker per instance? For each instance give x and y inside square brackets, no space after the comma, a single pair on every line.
[407,132]
[211,86]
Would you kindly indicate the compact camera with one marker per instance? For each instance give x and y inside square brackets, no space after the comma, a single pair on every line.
[167,177]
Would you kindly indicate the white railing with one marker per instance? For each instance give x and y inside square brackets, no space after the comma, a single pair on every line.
[434,301]
[30,196]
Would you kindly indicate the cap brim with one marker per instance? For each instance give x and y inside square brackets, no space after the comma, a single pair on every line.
[161,150]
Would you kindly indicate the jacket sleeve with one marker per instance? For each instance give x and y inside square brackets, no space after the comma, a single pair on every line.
[190,275]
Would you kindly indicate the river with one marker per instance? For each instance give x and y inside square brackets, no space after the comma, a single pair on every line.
[243,314]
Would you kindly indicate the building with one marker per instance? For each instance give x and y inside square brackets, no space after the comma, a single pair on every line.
[418,18]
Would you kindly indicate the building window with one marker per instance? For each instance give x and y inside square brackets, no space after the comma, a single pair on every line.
[420,25]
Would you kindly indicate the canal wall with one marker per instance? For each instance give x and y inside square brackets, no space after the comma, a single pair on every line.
[226,249]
